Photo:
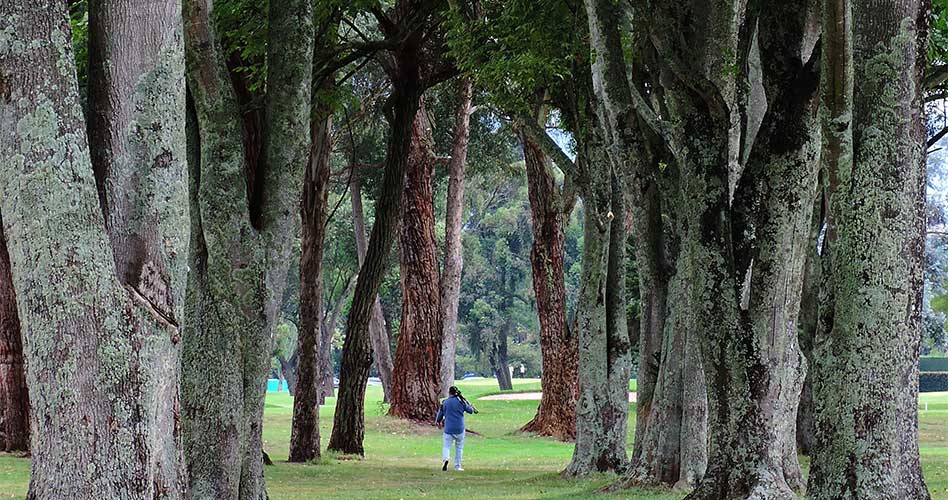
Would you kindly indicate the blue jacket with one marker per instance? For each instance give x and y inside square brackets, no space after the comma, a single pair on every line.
[452,413]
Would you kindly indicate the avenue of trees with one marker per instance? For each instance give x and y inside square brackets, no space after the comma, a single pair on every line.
[727,201]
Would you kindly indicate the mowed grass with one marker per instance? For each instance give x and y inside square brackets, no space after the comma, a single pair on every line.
[402,459]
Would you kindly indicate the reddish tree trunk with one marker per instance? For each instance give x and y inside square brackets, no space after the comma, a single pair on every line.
[453,252]
[304,437]
[418,355]
[14,399]
[556,415]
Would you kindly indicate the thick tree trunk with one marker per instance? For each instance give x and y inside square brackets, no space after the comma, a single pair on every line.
[866,350]
[349,421]
[453,251]
[304,435]
[101,349]
[378,332]
[417,370]
[556,415]
[240,250]
[14,398]
[603,405]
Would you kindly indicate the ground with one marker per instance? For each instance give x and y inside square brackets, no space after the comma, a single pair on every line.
[403,460]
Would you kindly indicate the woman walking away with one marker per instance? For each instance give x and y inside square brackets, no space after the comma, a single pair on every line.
[451,417]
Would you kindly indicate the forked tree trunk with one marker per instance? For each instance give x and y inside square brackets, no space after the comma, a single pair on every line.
[866,350]
[417,370]
[556,415]
[241,251]
[498,362]
[807,325]
[14,398]
[101,347]
[453,251]
[348,429]
[378,332]
[326,374]
[304,435]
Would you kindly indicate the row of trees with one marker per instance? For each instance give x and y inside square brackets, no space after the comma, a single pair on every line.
[751,178]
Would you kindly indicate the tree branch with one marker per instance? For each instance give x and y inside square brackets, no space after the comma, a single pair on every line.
[539,135]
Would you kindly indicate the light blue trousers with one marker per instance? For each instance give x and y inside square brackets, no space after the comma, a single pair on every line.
[458,440]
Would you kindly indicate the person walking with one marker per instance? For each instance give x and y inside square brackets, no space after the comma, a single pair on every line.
[451,418]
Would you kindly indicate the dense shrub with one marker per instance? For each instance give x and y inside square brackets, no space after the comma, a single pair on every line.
[933,382]
[933,364]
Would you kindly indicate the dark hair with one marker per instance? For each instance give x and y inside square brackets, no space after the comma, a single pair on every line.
[454,391]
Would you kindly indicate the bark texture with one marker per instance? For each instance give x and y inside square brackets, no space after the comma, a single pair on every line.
[556,415]
[866,350]
[378,331]
[244,215]
[348,429]
[453,251]
[603,406]
[304,435]
[416,377]
[99,296]
[14,398]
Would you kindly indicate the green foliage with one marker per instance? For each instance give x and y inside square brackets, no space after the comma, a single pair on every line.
[79,22]
[518,47]
[933,382]
[938,32]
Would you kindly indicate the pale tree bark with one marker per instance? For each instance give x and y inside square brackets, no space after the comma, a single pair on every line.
[453,251]
[603,406]
[330,320]
[378,331]
[14,398]
[241,237]
[416,376]
[304,434]
[101,341]
[866,350]
[556,415]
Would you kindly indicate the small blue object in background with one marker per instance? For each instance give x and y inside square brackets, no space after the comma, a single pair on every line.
[273,385]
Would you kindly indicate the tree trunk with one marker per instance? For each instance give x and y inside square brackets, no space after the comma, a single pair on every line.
[101,347]
[418,355]
[603,405]
[378,332]
[326,374]
[809,318]
[453,251]
[498,362]
[14,398]
[304,436]
[866,350]
[288,370]
[241,236]
[556,415]
[348,429]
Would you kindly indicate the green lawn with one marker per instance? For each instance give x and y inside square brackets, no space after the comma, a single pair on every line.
[402,460]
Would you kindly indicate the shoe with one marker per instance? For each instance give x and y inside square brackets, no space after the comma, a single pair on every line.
[459,469]
[445,466]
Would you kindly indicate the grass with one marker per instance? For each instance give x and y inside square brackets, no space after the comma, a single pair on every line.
[402,459]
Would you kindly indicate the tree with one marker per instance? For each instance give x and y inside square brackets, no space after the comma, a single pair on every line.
[14,398]
[405,27]
[304,435]
[453,251]
[244,205]
[100,278]
[866,350]
[550,206]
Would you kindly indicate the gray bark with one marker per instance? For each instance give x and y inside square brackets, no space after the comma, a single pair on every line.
[453,251]
[866,350]
[239,263]
[101,346]
[603,406]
